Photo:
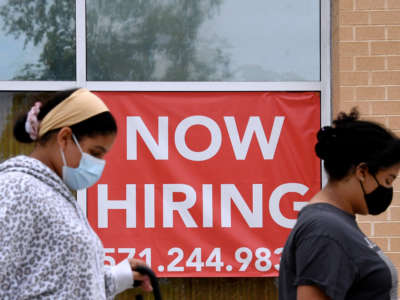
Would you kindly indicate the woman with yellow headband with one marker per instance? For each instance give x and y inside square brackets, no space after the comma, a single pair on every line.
[47,247]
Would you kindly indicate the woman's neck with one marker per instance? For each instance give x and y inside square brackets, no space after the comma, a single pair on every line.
[337,194]
[44,154]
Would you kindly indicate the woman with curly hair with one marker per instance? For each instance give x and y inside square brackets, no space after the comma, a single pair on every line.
[327,256]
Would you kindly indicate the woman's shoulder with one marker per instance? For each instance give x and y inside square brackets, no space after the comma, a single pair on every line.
[20,187]
[323,219]
[325,212]
[30,173]
[19,182]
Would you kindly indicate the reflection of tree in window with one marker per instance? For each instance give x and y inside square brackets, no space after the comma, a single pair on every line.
[51,23]
[152,40]
[134,40]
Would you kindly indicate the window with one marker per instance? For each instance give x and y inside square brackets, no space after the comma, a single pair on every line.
[169,45]
[210,40]
[38,40]
[160,45]
[179,45]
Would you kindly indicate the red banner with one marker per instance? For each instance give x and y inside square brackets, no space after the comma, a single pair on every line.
[208,183]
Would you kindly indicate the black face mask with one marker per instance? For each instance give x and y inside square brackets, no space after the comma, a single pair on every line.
[379,199]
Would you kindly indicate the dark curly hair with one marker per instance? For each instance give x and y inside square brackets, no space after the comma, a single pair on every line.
[350,141]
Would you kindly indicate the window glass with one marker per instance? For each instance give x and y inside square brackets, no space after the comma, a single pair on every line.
[37,40]
[208,40]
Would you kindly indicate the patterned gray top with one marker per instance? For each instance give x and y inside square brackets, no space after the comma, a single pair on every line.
[47,248]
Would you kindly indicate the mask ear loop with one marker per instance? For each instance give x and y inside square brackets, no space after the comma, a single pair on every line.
[62,152]
[362,187]
[362,165]
[76,142]
[376,180]
[63,157]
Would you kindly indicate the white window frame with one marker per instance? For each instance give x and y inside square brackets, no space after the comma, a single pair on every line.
[323,86]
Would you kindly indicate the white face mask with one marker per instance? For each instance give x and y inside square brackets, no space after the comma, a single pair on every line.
[86,174]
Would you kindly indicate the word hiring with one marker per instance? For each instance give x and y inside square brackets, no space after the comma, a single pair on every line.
[135,125]
[229,194]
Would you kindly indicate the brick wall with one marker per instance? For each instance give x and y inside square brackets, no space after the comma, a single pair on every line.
[366,74]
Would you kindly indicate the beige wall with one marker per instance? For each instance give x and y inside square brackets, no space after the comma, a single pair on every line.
[366,74]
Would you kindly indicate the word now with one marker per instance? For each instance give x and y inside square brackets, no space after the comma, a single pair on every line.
[135,126]
[170,208]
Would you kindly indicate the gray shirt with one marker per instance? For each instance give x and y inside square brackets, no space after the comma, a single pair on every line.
[328,250]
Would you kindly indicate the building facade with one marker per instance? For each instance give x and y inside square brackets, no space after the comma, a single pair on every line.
[365,73]
[348,51]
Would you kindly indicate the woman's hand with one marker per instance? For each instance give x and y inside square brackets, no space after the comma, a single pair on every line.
[145,284]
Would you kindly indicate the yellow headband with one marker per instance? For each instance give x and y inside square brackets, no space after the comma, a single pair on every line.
[79,106]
